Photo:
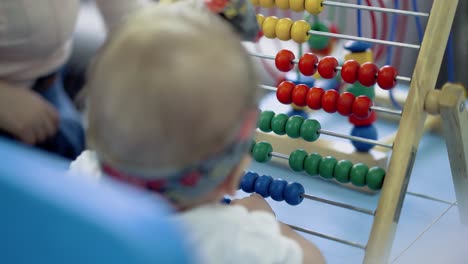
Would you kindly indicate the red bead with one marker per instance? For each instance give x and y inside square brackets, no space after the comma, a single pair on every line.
[299,94]
[350,71]
[345,103]
[327,67]
[363,122]
[314,98]
[284,60]
[362,106]
[308,64]
[386,77]
[330,101]
[368,74]
[284,92]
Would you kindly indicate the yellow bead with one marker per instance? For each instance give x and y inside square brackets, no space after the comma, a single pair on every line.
[255,2]
[361,57]
[269,27]
[282,4]
[283,28]
[296,5]
[298,108]
[314,7]
[260,20]
[267,3]
[299,31]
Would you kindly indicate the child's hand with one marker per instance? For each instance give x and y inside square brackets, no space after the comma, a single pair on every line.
[254,202]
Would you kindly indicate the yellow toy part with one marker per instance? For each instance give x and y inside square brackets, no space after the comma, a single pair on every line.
[300,31]
[255,2]
[283,28]
[361,57]
[282,4]
[260,20]
[296,5]
[267,3]
[269,27]
[314,7]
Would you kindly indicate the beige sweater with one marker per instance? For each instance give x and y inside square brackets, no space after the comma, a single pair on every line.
[35,35]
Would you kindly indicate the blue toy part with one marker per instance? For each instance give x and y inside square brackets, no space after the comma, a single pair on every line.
[226,200]
[328,84]
[369,132]
[293,193]
[51,217]
[292,76]
[301,113]
[277,189]
[357,46]
[247,183]
[262,185]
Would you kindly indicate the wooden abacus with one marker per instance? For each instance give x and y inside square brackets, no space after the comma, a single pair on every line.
[421,99]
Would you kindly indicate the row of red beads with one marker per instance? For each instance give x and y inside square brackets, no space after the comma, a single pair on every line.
[367,74]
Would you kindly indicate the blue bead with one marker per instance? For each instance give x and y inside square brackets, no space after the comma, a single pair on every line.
[247,183]
[301,113]
[357,46]
[262,185]
[226,200]
[277,189]
[307,80]
[293,193]
[369,132]
[328,84]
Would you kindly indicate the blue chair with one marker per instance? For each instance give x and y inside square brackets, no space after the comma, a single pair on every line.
[48,216]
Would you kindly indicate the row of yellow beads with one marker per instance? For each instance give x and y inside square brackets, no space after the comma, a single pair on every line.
[314,7]
[284,28]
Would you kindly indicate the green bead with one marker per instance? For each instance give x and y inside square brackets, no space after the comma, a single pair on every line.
[312,163]
[293,126]
[358,174]
[375,178]
[296,160]
[264,122]
[309,130]
[327,166]
[342,170]
[278,124]
[358,89]
[319,42]
[262,152]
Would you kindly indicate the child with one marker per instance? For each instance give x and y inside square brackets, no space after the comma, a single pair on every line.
[172,109]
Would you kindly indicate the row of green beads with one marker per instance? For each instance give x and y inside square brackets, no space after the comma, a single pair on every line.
[294,126]
[261,151]
[343,171]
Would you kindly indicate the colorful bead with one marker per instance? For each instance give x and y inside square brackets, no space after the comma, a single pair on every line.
[330,100]
[283,28]
[300,31]
[255,2]
[369,132]
[284,60]
[357,46]
[361,57]
[386,77]
[293,126]
[327,166]
[312,163]
[262,152]
[247,183]
[296,5]
[350,71]
[314,7]
[319,42]
[358,89]
[327,67]
[308,64]
[296,160]
[284,92]
[342,171]
[345,103]
[365,121]
[314,98]
[309,130]
[358,174]
[278,124]
[260,20]
[375,178]
[368,74]
[293,193]
[299,94]
[269,27]
[264,121]
[277,189]
[267,3]
[282,4]
[362,106]
[262,185]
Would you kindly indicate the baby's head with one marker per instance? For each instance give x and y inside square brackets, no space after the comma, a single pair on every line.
[173,103]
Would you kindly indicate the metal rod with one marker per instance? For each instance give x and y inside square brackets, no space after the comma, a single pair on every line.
[377,9]
[339,240]
[353,138]
[279,155]
[342,205]
[378,41]
[424,196]
[296,61]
